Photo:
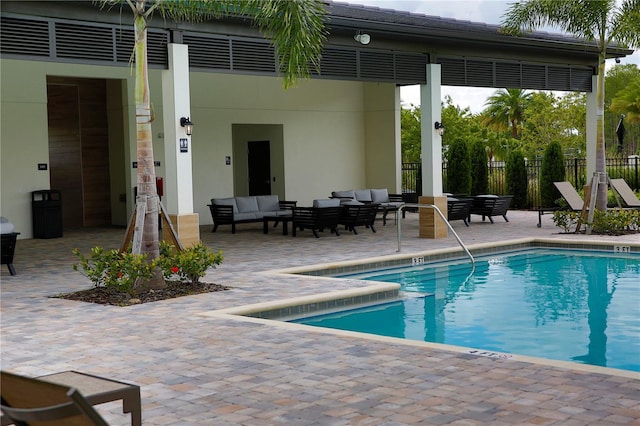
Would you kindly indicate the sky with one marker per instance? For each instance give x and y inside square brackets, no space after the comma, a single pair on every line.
[486,11]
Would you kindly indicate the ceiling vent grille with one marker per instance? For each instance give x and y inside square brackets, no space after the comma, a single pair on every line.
[534,77]
[453,71]
[208,52]
[411,69]
[558,78]
[84,42]
[480,74]
[339,63]
[581,79]
[250,55]
[24,37]
[508,75]
[377,66]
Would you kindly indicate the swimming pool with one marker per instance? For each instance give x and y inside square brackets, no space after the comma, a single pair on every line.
[580,306]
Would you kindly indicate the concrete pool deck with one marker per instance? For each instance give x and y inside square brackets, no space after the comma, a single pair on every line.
[196,367]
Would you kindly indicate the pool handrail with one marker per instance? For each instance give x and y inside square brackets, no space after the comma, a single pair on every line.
[432,206]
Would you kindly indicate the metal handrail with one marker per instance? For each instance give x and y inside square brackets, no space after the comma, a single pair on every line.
[399,225]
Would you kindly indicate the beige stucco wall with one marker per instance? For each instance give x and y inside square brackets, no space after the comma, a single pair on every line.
[336,134]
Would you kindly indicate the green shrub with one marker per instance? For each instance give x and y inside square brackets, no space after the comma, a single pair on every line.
[479,169]
[516,174]
[552,170]
[566,219]
[189,264]
[119,270]
[125,271]
[458,168]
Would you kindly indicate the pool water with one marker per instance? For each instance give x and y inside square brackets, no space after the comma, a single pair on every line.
[579,306]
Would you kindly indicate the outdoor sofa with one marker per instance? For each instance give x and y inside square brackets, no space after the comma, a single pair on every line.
[234,210]
[386,202]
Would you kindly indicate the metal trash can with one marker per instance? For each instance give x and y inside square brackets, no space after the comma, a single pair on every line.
[46,208]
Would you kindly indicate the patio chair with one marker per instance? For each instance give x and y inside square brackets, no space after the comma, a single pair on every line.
[358,215]
[623,189]
[570,195]
[28,401]
[488,206]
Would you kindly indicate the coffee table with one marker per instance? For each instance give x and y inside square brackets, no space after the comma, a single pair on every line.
[284,219]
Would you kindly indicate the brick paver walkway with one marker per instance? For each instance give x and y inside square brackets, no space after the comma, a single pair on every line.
[208,370]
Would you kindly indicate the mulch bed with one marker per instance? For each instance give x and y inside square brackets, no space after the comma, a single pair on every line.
[110,296]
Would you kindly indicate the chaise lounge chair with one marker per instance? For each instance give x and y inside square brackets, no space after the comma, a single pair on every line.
[623,189]
[570,195]
[32,401]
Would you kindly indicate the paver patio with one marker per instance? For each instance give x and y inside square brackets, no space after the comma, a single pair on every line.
[200,370]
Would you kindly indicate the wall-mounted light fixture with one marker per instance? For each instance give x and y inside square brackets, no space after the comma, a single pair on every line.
[187,124]
[439,127]
[362,38]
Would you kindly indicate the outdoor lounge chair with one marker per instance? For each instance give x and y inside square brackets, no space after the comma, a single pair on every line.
[488,206]
[359,215]
[325,214]
[458,209]
[570,195]
[623,189]
[32,401]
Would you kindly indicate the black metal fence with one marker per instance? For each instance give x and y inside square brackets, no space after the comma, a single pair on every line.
[625,168]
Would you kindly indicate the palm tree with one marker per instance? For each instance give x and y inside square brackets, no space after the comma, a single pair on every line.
[601,21]
[627,102]
[296,29]
[505,108]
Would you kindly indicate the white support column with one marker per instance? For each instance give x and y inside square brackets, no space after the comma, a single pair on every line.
[430,112]
[178,185]
[431,225]
[592,127]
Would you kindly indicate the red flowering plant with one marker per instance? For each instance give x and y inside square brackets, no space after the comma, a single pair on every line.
[189,264]
[113,268]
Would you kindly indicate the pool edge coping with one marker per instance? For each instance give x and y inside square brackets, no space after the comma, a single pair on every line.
[247,312]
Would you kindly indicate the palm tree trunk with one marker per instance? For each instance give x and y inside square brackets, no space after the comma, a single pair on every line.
[146,181]
[601,200]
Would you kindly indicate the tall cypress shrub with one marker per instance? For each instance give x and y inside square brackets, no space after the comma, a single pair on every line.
[479,169]
[516,174]
[458,168]
[552,170]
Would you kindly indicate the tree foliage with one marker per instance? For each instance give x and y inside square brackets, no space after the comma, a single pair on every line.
[516,176]
[601,21]
[410,134]
[505,110]
[479,169]
[458,168]
[552,170]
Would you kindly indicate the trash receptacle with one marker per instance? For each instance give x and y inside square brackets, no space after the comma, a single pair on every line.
[46,208]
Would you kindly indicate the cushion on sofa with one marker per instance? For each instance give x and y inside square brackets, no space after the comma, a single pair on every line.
[379,196]
[326,202]
[230,201]
[6,227]
[350,202]
[363,195]
[247,204]
[246,216]
[344,194]
[268,203]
